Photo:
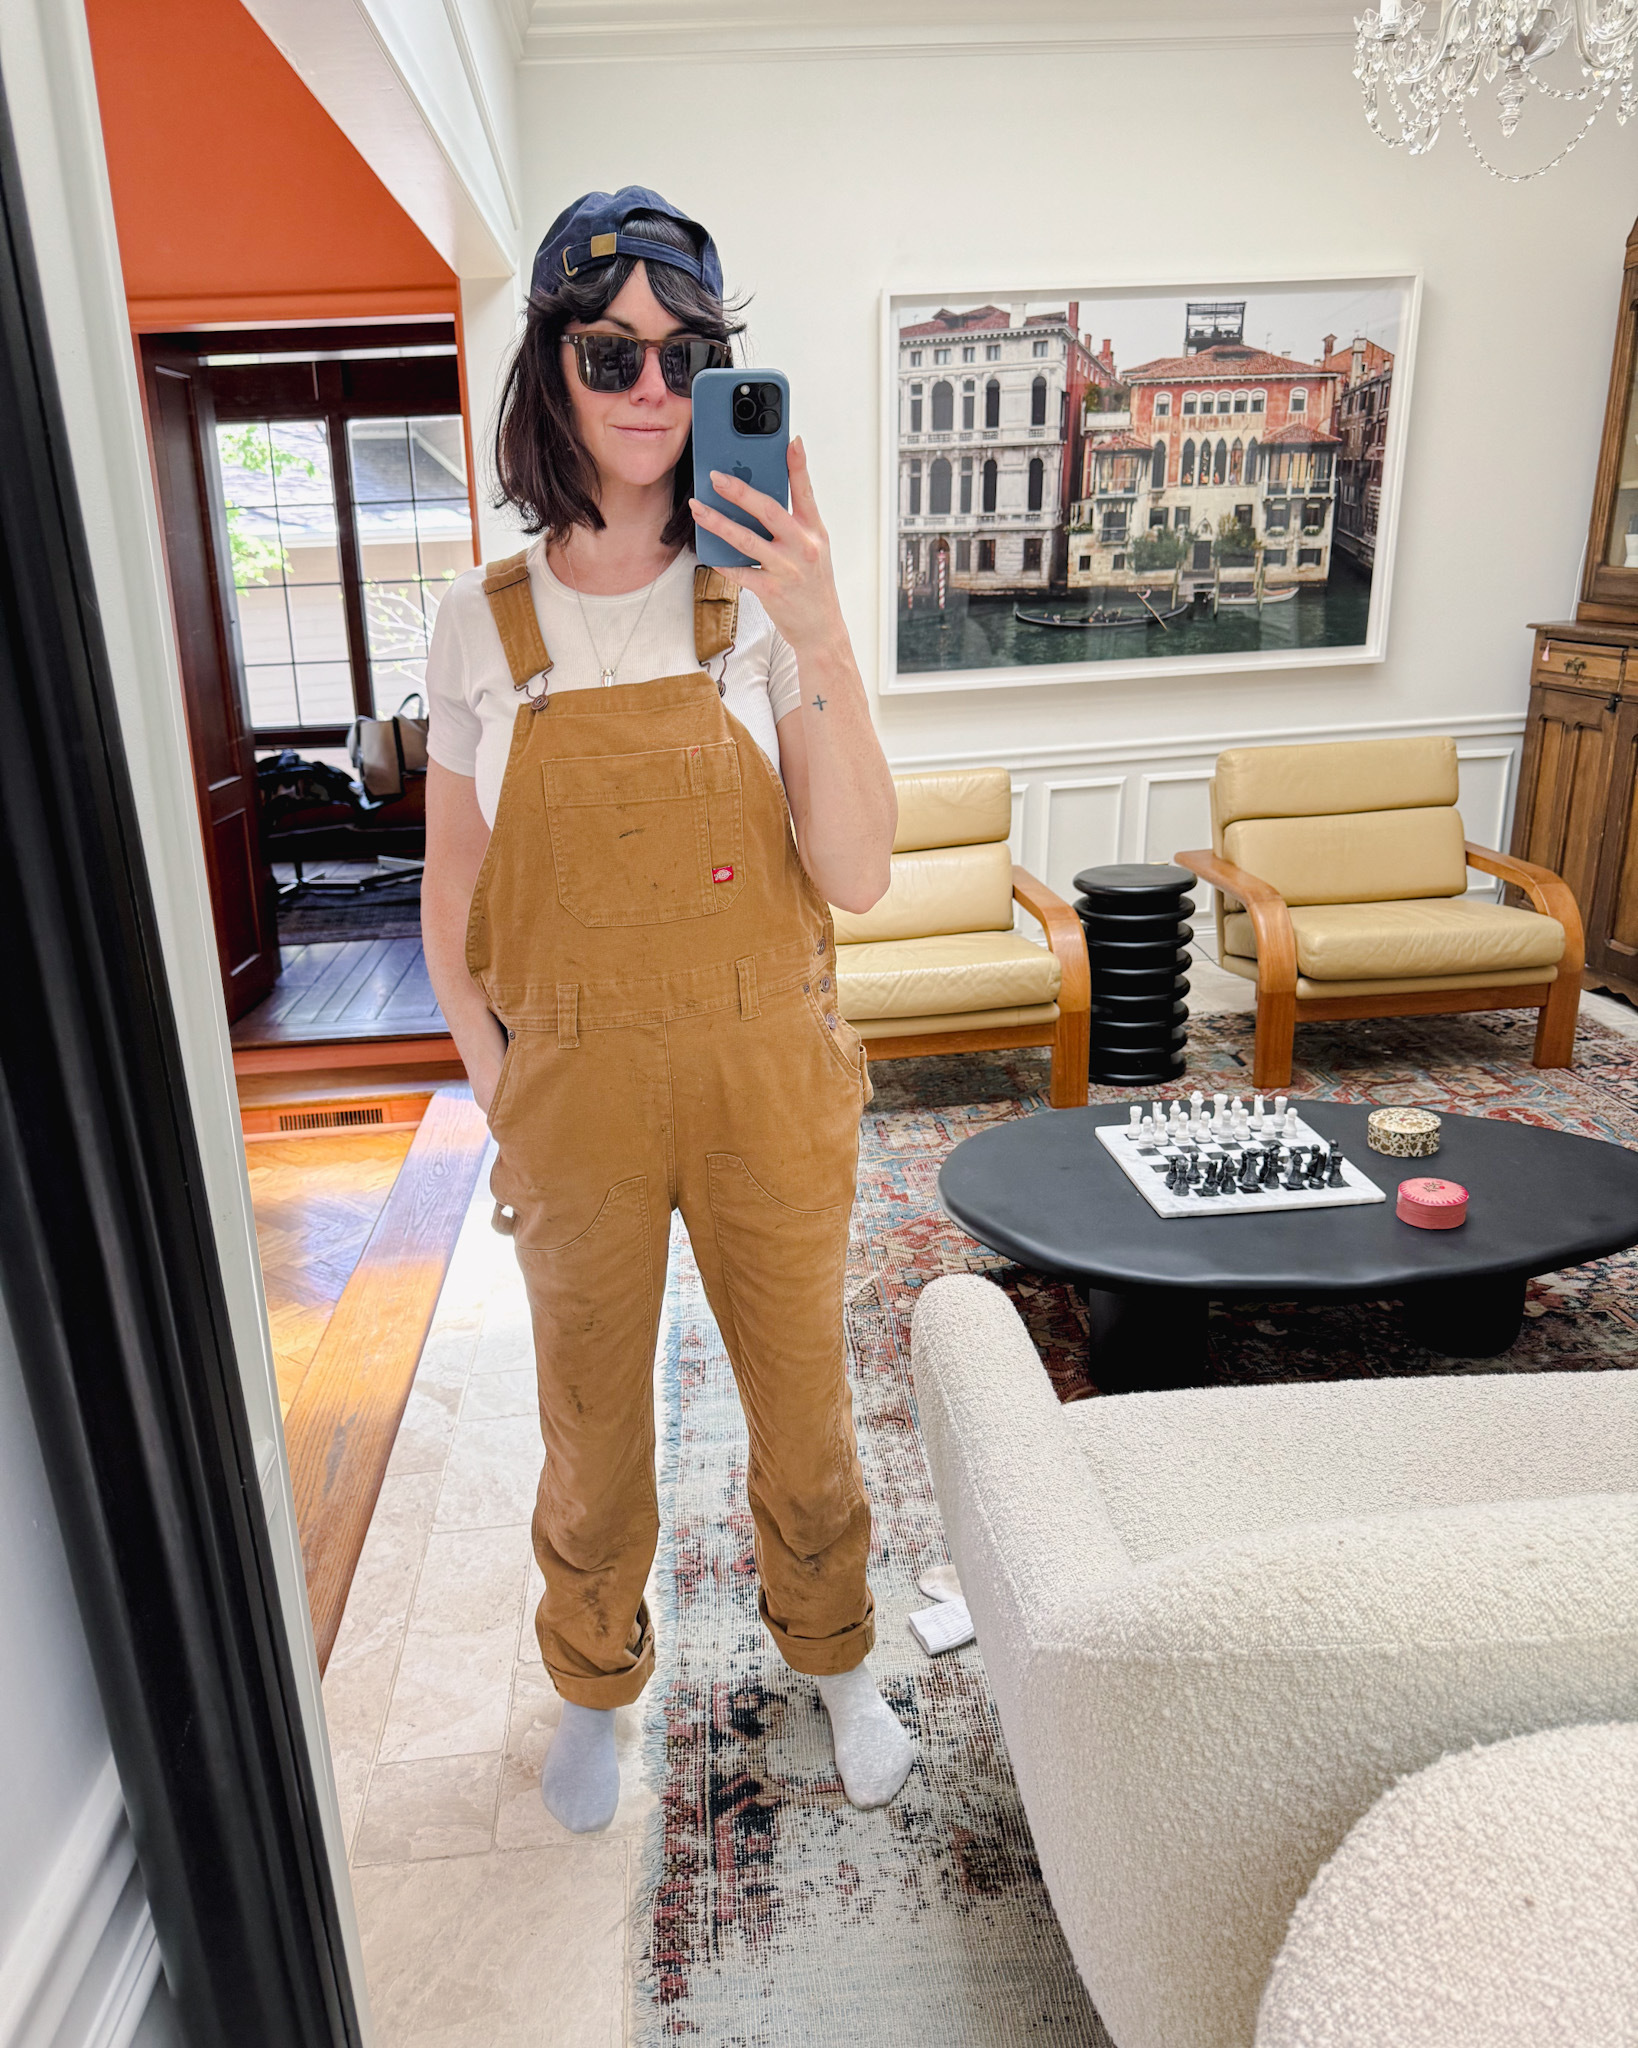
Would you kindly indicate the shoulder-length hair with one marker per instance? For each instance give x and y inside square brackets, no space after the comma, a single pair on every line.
[541,464]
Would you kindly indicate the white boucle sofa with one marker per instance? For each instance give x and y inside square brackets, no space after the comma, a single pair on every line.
[1218,1623]
[1490,1899]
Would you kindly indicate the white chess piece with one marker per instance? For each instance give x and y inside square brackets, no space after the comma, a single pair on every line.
[1219,1104]
[1134,1122]
[1257,1115]
[1279,1106]
[1197,1103]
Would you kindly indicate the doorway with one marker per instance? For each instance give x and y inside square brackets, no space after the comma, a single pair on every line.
[316,503]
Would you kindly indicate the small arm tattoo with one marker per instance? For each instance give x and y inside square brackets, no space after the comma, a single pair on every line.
[818,703]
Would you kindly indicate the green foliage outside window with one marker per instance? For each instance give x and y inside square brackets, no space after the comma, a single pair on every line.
[255,556]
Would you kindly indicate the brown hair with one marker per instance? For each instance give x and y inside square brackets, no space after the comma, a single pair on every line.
[541,463]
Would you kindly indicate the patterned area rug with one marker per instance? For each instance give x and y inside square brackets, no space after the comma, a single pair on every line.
[778,1916]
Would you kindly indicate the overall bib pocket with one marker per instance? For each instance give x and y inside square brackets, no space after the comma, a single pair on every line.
[649,838]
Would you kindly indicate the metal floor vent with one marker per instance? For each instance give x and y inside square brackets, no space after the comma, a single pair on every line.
[329,1119]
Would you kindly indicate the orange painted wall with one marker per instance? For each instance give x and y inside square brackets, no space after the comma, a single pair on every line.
[236,197]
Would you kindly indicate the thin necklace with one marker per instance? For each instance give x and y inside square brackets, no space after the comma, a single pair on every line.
[608,670]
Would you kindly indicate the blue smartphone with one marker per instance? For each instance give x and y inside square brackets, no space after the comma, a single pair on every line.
[742,426]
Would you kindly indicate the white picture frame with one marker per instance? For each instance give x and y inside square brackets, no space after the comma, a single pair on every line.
[1124,652]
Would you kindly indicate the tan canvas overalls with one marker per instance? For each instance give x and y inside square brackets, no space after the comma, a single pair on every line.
[665,971]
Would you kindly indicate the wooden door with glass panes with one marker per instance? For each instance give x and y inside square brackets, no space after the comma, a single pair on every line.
[328,511]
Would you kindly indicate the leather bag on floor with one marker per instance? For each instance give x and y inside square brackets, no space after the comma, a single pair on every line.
[384,751]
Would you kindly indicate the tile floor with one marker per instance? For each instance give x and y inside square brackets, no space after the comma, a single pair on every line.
[485,1924]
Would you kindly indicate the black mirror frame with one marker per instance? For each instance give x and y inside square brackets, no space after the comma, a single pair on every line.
[109,1272]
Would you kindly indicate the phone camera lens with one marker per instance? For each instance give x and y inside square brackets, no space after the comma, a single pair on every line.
[745,410]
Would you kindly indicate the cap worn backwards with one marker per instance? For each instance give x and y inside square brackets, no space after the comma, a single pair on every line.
[593,231]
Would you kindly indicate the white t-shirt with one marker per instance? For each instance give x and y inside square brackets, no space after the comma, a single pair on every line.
[471,702]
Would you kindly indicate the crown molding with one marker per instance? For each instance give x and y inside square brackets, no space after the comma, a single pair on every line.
[564,32]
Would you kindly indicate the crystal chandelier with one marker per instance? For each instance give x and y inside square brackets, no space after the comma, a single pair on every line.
[1424,74]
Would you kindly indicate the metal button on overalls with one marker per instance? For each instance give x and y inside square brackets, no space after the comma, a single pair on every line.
[644,929]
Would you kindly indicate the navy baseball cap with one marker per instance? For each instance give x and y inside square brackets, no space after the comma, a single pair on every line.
[593,231]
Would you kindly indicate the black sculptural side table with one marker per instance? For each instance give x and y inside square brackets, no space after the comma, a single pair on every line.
[1136,946]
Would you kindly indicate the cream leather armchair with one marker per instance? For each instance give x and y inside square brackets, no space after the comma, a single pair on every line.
[1341,874]
[936,966]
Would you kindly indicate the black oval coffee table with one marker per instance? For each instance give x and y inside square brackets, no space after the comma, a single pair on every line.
[1042,1190]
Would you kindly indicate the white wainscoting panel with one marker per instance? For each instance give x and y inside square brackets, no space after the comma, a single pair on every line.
[1486,776]
[1079,826]
[83,1966]
[1174,812]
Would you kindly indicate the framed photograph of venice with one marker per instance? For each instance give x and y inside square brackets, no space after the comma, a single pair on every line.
[1104,482]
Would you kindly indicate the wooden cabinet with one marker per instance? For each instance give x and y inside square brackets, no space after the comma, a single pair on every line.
[1577,811]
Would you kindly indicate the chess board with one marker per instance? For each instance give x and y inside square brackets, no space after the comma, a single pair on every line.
[1147,1173]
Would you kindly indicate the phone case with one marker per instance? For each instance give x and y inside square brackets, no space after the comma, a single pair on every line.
[719,444]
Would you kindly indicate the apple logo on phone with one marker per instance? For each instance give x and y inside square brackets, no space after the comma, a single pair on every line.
[743,471]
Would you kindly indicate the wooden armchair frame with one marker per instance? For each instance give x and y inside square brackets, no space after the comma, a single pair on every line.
[1280,1009]
[1070,1038]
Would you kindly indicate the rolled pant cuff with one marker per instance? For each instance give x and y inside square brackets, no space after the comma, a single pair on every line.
[829,1656]
[618,1689]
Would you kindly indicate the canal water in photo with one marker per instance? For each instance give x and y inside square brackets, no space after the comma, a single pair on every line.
[981,632]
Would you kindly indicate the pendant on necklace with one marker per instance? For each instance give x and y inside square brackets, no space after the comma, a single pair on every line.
[608,677]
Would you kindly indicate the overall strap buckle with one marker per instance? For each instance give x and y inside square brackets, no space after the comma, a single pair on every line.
[512,607]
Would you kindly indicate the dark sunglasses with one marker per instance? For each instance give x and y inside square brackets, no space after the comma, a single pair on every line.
[614,362]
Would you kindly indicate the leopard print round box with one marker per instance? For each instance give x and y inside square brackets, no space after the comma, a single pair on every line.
[1403,1133]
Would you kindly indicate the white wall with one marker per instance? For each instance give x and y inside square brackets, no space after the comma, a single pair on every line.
[831,175]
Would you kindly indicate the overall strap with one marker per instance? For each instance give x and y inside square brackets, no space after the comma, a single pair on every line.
[506,585]
[716,613]
[512,606]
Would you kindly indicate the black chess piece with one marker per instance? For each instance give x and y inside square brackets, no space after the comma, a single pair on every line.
[1271,1166]
[1336,1180]
[1250,1178]
[1294,1182]
[1316,1167]
[1208,1180]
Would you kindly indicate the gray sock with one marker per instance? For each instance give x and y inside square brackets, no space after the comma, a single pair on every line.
[580,1780]
[873,1752]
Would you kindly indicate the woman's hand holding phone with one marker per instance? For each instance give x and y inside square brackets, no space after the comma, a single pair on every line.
[793,580]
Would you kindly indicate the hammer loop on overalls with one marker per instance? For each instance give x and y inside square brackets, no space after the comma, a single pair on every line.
[643,926]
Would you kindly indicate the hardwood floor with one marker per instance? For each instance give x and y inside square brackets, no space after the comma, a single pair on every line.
[342,1420]
[345,990]
[355,1230]
[316,1201]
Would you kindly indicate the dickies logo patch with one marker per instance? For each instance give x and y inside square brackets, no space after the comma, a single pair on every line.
[722,874]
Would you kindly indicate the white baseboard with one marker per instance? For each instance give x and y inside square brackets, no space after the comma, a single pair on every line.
[83,1965]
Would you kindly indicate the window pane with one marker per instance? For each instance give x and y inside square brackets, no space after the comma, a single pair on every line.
[272,692]
[264,625]
[282,544]
[324,690]
[415,537]
[318,625]
[379,453]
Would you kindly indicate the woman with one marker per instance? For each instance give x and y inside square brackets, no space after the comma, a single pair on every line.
[636,962]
